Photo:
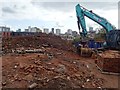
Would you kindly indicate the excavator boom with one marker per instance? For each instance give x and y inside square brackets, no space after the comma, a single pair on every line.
[112,36]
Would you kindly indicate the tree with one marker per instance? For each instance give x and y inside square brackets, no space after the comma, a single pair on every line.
[100,36]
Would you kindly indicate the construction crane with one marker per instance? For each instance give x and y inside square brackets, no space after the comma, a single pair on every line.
[112,36]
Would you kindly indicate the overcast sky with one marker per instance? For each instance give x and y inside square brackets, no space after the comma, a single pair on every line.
[53,14]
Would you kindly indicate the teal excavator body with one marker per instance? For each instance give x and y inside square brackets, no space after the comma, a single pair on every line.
[112,36]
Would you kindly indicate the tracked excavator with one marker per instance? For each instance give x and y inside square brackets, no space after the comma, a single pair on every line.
[112,39]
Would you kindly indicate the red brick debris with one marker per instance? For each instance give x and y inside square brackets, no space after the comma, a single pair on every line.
[56,66]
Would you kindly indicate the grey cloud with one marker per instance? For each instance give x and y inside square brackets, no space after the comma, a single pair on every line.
[12,7]
[17,7]
[8,10]
[60,6]
[23,7]
[70,6]
[101,5]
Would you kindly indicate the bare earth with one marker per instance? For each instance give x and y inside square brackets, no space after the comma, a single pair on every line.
[58,66]
[62,70]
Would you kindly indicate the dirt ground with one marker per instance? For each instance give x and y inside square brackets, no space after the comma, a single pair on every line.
[56,66]
[62,69]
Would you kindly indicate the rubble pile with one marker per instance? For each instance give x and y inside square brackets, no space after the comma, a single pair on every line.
[47,61]
[52,69]
[28,42]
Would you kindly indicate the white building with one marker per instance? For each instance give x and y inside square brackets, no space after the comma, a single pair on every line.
[29,28]
[19,30]
[58,31]
[34,29]
[4,29]
[91,33]
[69,32]
[46,30]
[90,28]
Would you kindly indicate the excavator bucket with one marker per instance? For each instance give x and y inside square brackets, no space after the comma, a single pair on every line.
[86,52]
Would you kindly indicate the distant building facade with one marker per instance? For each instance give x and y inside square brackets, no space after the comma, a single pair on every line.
[74,34]
[26,30]
[91,33]
[29,28]
[19,30]
[67,37]
[90,28]
[46,30]
[4,29]
[33,29]
[69,32]
[38,30]
[58,31]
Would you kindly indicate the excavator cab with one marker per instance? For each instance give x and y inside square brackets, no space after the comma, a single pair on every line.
[113,39]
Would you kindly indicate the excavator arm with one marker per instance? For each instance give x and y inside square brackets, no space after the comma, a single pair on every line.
[81,12]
